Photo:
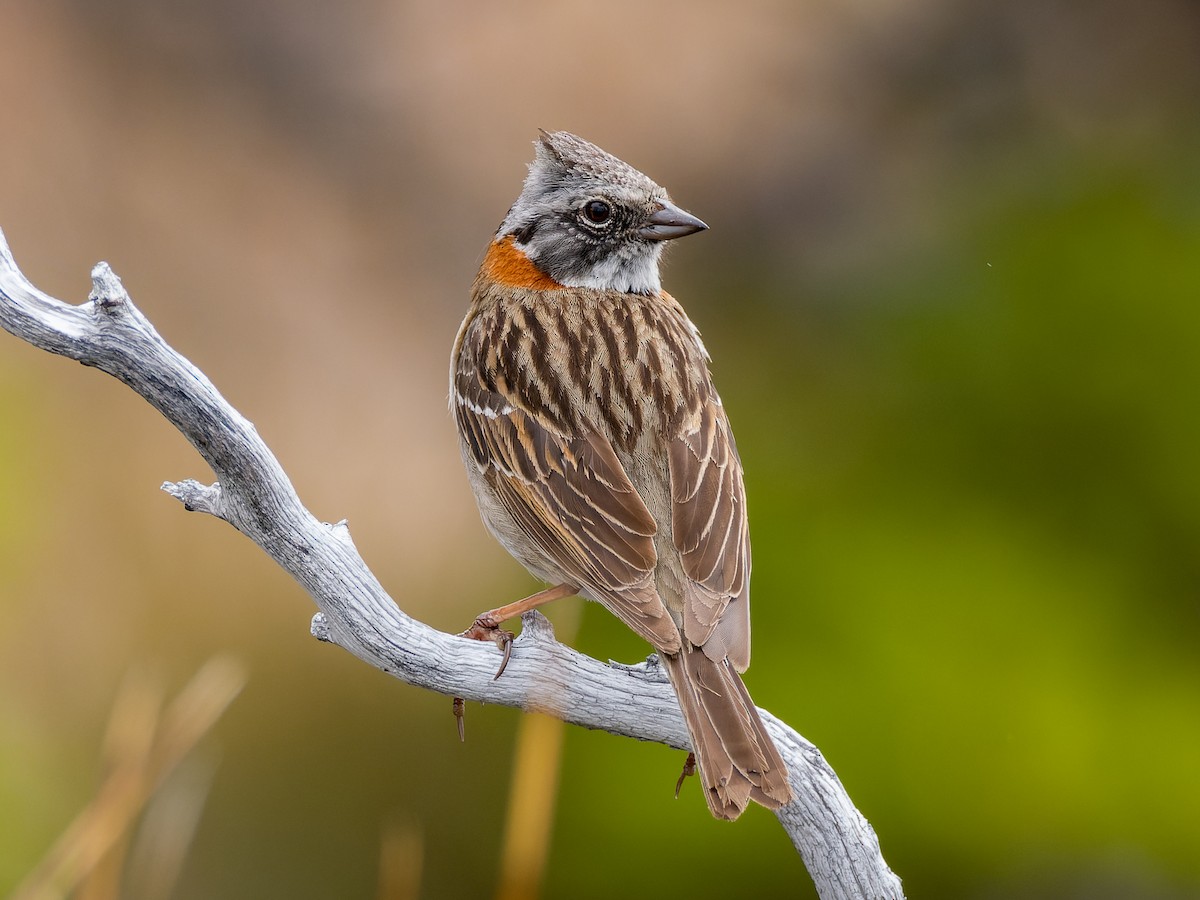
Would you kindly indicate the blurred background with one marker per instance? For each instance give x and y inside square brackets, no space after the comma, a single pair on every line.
[950,290]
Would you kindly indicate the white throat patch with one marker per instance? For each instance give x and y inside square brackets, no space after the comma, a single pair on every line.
[636,274]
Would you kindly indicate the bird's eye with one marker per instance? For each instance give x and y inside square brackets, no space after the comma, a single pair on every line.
[597,211]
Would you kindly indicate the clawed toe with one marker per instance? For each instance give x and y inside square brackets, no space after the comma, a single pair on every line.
[459,707]
[485,629]
[689,768]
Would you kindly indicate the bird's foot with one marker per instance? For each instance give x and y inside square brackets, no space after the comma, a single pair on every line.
[486,628]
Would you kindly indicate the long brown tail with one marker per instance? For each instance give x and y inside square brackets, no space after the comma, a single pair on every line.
[737,759]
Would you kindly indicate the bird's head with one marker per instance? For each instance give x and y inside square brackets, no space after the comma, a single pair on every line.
[587,219]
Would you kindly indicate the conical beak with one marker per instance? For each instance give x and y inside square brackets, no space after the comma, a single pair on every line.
[670,222]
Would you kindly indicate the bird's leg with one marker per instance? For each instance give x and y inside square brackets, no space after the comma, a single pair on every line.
[486,627]
[689,768]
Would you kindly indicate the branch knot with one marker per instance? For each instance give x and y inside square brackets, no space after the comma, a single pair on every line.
[108,294]
[197,497]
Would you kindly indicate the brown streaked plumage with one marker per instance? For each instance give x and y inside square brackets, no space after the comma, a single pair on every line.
[598,448]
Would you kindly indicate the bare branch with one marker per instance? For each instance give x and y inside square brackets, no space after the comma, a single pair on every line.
[254,495]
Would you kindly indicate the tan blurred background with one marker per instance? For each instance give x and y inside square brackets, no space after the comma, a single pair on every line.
[951,293]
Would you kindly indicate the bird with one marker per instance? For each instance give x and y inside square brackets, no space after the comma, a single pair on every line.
[599,452]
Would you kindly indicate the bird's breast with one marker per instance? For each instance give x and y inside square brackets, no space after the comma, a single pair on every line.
[624,365]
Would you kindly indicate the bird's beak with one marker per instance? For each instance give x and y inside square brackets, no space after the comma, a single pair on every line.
[670,222]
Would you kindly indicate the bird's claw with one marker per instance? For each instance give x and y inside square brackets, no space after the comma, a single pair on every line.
[459,707]
[689,768]
[486,629]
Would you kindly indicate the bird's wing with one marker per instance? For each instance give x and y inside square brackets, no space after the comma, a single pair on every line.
[710,532]
[572,498]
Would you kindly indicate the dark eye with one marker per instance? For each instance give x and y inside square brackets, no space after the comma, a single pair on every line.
[597,211]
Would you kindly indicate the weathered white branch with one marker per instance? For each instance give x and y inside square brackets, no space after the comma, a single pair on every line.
[254,495]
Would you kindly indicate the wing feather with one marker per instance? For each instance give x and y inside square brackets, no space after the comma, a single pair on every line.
[572,498]
[709,530]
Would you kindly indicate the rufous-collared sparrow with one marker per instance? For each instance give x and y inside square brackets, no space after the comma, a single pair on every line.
[599,452]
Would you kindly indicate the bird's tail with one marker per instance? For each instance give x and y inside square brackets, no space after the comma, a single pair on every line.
[737,759]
